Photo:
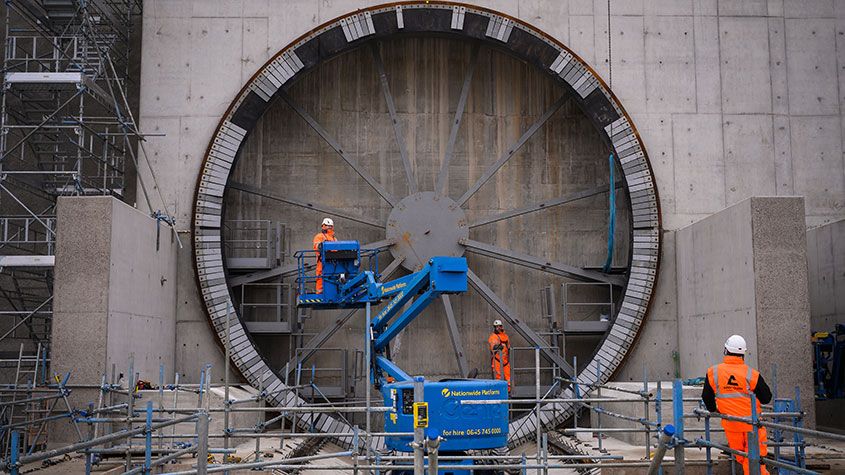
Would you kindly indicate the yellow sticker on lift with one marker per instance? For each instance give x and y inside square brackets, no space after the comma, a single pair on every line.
[420,415]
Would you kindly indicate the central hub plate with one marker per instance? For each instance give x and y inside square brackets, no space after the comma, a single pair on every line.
[425,225]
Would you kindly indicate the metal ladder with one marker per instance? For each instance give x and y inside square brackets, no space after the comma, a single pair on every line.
[26,377]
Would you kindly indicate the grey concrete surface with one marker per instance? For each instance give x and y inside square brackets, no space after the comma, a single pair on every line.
[743,271]
[753,80]
[826,259]
[732,99]
[125,303]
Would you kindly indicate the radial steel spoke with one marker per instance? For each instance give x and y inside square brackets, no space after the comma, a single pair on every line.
[456,124]
[322,132]
[455,336]
[321,338]
[521,327]
[397,128]
[303,204]
[537,263]
[579,195]
[511,151]
[291,269]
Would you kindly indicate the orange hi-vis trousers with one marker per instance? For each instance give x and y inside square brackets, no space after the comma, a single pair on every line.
[497,371]
[739,441]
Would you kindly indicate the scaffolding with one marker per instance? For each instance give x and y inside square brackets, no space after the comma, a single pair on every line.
[118,431]
[66,128]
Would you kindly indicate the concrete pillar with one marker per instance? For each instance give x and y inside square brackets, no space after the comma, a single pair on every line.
[826,259]
[114,291]
[744,270]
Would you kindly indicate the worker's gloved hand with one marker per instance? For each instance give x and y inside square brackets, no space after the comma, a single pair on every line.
[498,347]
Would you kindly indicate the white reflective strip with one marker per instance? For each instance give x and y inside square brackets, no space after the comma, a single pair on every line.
[733,396]
[716,379]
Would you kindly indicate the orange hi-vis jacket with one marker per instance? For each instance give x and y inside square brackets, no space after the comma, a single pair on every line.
[320,238]
[499,339]
[733,381]
[501,369]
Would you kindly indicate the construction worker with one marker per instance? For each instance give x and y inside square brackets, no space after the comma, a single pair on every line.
[326,234]
[727,390]
[500,349]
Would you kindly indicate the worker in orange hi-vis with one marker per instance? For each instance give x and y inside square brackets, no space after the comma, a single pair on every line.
[500,349]
[727,390]
[326,234]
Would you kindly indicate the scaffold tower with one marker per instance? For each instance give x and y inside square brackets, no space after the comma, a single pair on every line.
[66,128]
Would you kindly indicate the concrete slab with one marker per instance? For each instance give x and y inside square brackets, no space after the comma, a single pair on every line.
[581,7]
[257,8]
[818,167]
[582,39]
[216,65]
[218,8]
[810,45]
[165,63]
[715,287]
[705,7]
[777,65]
[826,260]
[784,182]
[629,60]
[708,81]
[749,157]
[546,15]
[699,163]
[808,8]
[670,64]
[167,9]
[743,7]
[744,49]
[670,7]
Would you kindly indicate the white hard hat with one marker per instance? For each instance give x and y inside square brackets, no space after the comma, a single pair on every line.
[328,222]
[736,344]
[497,323]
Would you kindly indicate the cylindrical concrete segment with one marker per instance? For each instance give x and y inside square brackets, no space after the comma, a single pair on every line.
[524,137]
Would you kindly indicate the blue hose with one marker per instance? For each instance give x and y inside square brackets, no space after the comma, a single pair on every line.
[611,222]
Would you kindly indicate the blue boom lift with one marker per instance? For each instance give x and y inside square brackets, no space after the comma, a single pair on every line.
[463,426]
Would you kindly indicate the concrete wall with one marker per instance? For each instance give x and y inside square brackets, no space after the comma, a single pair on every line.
[115,292]
[732,98]
[744,271]
[826,258]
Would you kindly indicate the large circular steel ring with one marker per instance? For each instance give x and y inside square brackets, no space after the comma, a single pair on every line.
[521,40]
